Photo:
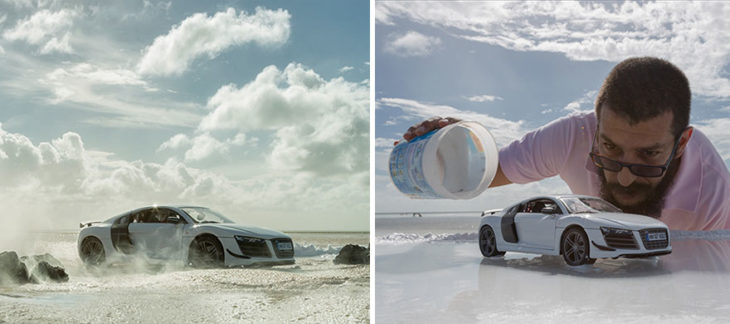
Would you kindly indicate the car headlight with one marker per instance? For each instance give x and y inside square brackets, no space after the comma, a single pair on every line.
[615,231]
[249,239]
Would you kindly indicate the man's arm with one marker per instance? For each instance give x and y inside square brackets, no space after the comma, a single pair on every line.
[499,179]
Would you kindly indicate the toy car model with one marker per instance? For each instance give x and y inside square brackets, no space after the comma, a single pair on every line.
[580,228]
[196,236]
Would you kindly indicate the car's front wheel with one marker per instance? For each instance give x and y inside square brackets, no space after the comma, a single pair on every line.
[92,251]
[488,242]
[575,247]
[206,252]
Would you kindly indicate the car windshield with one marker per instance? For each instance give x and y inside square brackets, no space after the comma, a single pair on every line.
[589,205]
[202,215]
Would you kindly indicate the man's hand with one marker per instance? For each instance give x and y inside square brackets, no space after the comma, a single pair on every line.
[427,126]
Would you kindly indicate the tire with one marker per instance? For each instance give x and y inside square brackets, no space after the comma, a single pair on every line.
[488,242]
[206,252]
[575,248]
[92,251]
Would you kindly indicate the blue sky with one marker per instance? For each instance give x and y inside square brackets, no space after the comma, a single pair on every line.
[259,109]
[516,66]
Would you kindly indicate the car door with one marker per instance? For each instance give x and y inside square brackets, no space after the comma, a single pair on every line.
[152,233]
[535,228]
[120,235]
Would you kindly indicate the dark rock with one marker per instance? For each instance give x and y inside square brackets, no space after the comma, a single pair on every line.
[43,271]
[43,257]
[12,270]
[33,269]
[44,268]
[353,254]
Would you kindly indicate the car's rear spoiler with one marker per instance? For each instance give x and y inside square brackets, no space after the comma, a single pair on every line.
[490,212]
[84,224]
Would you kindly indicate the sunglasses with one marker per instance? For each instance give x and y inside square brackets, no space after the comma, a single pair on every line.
[639,170]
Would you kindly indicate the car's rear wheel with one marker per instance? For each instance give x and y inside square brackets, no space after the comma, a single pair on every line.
[92,251]
[206,252]
[575,247]
[488,242]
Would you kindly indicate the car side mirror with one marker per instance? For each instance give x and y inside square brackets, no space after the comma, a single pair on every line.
[548,210]
[172,220]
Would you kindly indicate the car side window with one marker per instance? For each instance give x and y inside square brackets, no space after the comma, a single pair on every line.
[554,206]
[534,206]
[144,217]
[165,214]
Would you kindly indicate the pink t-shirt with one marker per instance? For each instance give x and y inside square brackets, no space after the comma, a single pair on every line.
[699,198]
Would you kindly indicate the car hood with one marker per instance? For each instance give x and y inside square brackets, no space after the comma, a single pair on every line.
[237,229]
[628,221]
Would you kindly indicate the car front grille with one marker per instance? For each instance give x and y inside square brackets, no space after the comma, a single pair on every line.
[254,247]
[656,244]
[282,254]
[621,241]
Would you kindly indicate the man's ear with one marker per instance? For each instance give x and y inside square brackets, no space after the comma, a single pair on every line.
[683,140]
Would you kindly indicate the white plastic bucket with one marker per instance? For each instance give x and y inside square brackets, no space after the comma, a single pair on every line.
[458,161]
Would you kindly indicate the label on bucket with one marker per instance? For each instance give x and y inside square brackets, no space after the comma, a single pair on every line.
[406,168]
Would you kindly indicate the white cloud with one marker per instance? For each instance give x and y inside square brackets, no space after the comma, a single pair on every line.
[578,105]
[206,146]
[677,31]
[200,35]
[203,146]
[346,68]
[411,44]
[504,131]
[56,45]
[71,183]
[319,126]
[115,95]
[46,28]
[98,75]
[176,142]
[483,98]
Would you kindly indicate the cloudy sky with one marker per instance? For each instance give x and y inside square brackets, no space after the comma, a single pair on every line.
[259,109]
[516,66]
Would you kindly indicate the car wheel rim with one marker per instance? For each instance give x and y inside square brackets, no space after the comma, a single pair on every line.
[488,242]
[575,247]
[93,251]
[208,252]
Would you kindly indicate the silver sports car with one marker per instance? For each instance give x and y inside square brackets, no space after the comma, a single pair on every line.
[197,236]
[580,228]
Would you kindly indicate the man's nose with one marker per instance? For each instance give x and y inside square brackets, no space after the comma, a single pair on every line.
[625,177]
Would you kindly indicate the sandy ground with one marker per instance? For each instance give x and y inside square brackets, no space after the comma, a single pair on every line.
[445,279]
[313,291]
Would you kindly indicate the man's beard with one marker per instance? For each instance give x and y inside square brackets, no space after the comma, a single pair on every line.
[652,205]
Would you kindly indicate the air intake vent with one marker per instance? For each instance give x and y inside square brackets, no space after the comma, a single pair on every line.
[621,241]
[253,247]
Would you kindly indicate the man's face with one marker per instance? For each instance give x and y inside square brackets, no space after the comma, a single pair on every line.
[649,142]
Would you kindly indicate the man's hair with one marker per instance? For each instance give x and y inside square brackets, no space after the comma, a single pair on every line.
[641,88]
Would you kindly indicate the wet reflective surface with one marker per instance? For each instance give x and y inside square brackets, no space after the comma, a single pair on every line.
[450,280]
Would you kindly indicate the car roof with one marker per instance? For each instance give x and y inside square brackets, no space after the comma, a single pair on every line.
[157,206]
[555,196]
